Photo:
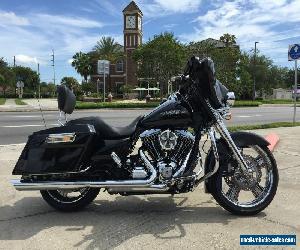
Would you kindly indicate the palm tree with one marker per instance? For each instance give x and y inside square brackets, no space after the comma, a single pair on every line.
[107,49]
[82,63]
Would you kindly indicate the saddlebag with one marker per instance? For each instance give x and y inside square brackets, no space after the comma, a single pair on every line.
[57,150]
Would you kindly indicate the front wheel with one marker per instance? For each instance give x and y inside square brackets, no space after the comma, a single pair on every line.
[70,200]
[246,194]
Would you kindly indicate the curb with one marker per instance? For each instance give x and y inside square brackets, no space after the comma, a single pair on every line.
[273,139]
[25,109]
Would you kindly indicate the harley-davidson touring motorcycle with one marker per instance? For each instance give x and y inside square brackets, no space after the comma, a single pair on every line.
[158,153]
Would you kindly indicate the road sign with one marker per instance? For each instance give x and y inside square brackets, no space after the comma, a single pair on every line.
[20,84]
[103,67]
[294,52]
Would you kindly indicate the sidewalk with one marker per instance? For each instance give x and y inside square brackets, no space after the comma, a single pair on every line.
[185,221]
[32,105]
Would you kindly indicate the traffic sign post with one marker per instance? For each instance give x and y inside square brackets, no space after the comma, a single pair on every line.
[103,68]
[20,86]
[294,55]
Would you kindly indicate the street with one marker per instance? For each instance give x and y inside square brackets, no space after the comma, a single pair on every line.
[15,127]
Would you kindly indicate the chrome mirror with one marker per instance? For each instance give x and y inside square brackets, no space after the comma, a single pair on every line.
[230,98]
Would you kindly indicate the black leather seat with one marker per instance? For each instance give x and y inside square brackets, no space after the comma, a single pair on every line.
[105,130]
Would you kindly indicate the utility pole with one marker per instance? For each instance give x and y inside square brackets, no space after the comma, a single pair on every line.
[39,83]
[53,65]
[254,72]
[14,67]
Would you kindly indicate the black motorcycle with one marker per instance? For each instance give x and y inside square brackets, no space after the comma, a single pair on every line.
[157,153]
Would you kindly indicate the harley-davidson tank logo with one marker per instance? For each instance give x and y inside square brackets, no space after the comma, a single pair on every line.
[173,112]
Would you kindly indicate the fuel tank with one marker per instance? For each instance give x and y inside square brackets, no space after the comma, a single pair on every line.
[173,113]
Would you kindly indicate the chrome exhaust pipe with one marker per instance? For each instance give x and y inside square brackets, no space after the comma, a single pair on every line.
[54,185]
[151,189]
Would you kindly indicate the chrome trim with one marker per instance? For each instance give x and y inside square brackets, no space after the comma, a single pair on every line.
[223,131]
[91,128]
[61,138]
[59,119]
[54,185]
[152,188]
[170,138]
[149,132]
[116,159]
[185,133]
[230,98]
[211,133]
[183,167]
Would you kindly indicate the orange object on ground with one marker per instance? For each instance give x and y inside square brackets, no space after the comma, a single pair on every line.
[273,139]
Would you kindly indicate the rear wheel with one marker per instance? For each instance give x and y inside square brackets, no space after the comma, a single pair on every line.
[250,193]
[70,200]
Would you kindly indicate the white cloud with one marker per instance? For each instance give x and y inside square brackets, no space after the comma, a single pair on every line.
[10,18]
[179,5]
[67,21]
[157,8]
[263,21]
[170,26]
[31,37]
[26,59]
[70,61]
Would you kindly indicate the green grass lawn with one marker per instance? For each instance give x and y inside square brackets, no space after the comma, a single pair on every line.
[278,101]
[100,105]
[242,103]
[20,102]
[2,101]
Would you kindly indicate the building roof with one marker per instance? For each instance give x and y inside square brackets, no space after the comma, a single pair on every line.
[132,7]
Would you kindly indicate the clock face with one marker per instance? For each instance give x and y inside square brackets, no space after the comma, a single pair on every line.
[130,22]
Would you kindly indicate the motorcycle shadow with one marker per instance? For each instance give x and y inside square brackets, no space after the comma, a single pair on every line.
[109,223]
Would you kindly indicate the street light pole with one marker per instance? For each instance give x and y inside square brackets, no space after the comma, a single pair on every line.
[104,85]
[254,71]
[38,68]
[98,80]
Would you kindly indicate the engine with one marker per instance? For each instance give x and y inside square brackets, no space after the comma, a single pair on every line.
[168,149]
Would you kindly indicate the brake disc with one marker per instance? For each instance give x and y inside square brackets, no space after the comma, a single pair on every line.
[242,181]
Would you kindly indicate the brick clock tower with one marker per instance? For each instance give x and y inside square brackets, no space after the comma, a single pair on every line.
[132,39]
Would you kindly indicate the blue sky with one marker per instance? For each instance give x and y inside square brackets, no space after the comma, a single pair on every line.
[29,29]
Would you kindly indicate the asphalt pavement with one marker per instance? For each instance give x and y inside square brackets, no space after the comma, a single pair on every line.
[15,127]
[184,221]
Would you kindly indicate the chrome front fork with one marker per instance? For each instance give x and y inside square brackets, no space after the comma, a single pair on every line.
[223,131]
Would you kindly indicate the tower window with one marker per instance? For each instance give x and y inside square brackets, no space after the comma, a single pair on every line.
[120,66]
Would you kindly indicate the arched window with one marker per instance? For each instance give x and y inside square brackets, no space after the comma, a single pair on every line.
[120,66]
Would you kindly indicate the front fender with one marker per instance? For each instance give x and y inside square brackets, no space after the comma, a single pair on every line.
[241,139]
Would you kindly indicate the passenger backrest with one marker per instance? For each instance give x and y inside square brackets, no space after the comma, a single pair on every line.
[66,99]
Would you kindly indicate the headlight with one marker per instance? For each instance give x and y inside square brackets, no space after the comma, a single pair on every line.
[230,98]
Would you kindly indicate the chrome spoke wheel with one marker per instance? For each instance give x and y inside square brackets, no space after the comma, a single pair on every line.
[251,188]
[68,195]
[70,199]
[233,193]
